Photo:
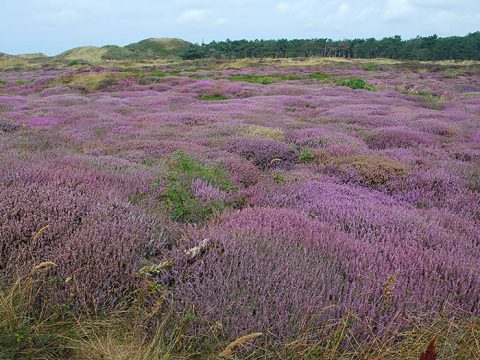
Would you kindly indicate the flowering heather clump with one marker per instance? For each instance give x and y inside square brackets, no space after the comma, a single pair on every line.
[420,252]
[256,257]
[95,242]
[202,190]
[42,121]
[398,137]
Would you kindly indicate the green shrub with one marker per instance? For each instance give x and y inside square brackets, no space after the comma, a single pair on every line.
[369,67]
[26,330]
[263,79]
[72,63]
[355,83]
[278,178]
[3,82]
[211,97]
[319,76]
[177,194]
[306,156]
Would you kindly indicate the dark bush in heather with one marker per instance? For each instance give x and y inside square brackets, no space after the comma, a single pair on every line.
[264,153]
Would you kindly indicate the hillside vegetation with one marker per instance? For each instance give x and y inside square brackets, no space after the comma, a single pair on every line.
[145,49]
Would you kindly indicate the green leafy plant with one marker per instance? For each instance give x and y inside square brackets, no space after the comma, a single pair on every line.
[72,63]
[2,82]
[356,83]
[319,76]
[369,67]
[306,156]
[211,97]
[278,178]
[177,195]
[263,79]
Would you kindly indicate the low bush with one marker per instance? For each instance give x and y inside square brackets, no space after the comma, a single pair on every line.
[369,170]
[96,240]
[369,67]
[397,137]
[8,126]
[264,153]
[319,76]
[355,83]
[306,156]
[194,191]
[263,79]
[211,97]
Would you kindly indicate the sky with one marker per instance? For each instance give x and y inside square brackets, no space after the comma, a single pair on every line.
[53,26]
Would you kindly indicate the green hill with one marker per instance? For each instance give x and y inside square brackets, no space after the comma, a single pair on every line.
[148,48]
[160,47]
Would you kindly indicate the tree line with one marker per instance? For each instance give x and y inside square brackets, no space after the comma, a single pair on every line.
[420,48]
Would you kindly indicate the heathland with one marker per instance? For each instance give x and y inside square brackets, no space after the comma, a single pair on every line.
[306,208]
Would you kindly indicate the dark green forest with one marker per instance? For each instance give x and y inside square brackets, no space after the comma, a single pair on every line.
[420,48]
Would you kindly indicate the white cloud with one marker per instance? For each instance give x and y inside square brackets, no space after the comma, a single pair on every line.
[221,21]
[446,22]
[435,4]
[192,15]
[283,7]
[397,10]
[343,9]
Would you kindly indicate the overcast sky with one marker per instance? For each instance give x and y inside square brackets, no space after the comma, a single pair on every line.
[52,26]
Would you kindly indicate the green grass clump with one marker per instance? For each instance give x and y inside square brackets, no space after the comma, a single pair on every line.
[90,81]
[432,101]
[263,79]
[356,83]
[22,82]
[319,76]
[425,95]
[212,97]
[278,178]
[153,73]
[369,67]
[28,331]
[3,82]
[177,196]
[72,63]
[306,156]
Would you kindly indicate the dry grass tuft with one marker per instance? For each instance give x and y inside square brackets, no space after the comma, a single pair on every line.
[241,340]
[262,131]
